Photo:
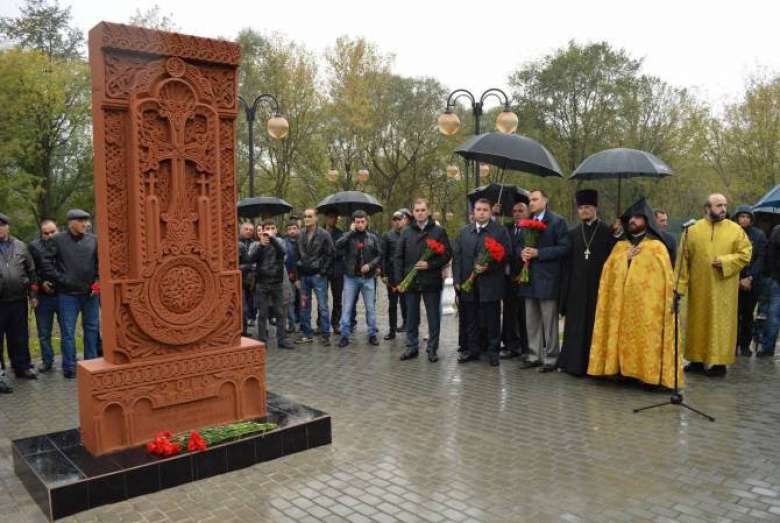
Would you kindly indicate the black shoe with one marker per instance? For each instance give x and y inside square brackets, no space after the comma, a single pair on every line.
[290,330]
[390,336]
[467,357]
[304,339]
[409,354]
[284,344]
[69,374]
[530,364]
[546,368]
[495,360]
[343,342]
[28,374]
[326,341]
[5,388]
[402,328]
[432,357]
[45,367]
[695,368]
[336,330]
[764,354]
[716,371]
[372,340]
[507,354]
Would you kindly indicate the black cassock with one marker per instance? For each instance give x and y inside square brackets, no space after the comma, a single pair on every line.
[591,245]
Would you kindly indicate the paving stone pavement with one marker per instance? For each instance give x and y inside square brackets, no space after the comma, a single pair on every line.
[415,441]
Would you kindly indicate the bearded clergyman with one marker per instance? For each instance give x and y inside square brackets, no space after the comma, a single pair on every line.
[633,335]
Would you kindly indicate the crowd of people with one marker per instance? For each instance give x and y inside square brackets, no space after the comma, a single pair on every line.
[614,284]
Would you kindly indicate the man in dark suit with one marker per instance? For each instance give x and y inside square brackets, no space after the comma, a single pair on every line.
[513,332]
[541,293]
[481,304]
[662,219]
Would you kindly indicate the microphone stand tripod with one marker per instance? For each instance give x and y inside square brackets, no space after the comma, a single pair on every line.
[677,398]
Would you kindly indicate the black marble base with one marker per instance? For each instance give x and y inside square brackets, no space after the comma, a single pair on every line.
[63,478]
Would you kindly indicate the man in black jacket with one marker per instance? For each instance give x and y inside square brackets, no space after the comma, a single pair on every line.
[542,291]
[17,277]
[513,332]
[427,284]
[361,251]
[336,274]
[72,265]
[482,303]
[389,242]
[48,301]
[749,279]
[246,237]
[267,255]
[315,259]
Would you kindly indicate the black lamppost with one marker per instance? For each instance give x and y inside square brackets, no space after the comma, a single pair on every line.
[277,128]
[449,123]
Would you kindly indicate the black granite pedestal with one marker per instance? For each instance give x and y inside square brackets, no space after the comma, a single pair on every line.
[63,478]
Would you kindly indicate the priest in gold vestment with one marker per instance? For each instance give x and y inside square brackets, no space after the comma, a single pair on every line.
[715,251]
[634,331]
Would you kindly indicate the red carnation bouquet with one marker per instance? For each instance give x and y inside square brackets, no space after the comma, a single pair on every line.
[532,230]
[163,445]
[432,248]
[493,251]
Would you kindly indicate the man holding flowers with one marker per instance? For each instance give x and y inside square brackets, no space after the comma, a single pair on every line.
[543,259]
[480,255]
[421,253]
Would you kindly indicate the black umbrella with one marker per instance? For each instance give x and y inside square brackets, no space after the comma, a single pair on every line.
[262,206]
[621,163]
[505,194]
[770,202]
[511,151]
[346,202]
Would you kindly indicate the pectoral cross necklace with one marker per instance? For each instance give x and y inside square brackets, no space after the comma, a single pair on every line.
[587,242]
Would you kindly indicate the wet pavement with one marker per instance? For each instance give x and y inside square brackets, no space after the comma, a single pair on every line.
[420,441]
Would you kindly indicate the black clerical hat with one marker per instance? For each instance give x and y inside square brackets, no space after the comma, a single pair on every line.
[587,197]
[4,219]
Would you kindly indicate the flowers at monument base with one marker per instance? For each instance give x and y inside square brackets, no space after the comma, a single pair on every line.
[532,230]
[432,248]
[162,445]
[493,251]
[165,444]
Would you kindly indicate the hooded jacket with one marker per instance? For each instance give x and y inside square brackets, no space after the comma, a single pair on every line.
[758,240]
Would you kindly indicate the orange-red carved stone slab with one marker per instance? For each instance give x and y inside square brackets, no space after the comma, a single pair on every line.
[164,110]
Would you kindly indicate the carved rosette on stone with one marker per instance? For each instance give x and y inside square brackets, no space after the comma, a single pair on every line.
[164,109]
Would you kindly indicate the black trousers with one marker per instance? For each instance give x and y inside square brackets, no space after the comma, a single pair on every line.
[269,302]
[394,299]
[13,329]
[747,305]
[487,315]
[513,332]
[432,301]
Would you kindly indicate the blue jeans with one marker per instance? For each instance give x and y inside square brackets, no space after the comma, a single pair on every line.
[70,307]
[47,307]
[318,284]
[354,285]
[772,317]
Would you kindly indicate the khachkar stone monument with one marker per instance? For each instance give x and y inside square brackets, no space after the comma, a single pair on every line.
[164,108]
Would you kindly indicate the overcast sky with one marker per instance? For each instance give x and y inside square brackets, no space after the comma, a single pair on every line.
[711,47]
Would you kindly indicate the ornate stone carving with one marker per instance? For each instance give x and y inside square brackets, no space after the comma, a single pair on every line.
[164,107]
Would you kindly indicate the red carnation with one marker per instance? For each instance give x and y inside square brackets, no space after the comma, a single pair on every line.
[435,246]
[533,230]
[196,442]
[493,251]
[95,288]
[432,248]
[360,245]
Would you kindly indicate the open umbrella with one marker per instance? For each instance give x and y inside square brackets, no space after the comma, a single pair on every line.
[262,206]
[505,194]
[511,151]
[770,202]
[344,203]
[621,163]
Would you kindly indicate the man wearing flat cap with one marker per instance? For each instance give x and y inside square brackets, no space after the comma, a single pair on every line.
[17,279]
[394,298]
[591,244]
[72,264]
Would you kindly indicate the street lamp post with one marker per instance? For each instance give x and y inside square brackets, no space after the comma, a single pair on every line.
[277,128]
[449,123]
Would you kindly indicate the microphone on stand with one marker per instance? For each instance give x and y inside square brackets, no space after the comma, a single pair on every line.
[688,224]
